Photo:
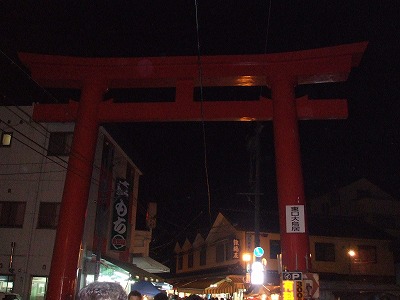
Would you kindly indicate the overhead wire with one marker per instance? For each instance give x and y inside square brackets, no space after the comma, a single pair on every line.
[266,36]
[44,134]
[55,99]
[93,180]
[200,74]
[73,154]
[42,154]
[29,76]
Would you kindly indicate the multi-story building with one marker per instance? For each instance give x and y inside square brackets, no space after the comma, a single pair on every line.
[361,199]
[33,160]
[347,256]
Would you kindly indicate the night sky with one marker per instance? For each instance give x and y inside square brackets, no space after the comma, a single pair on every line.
[172,155]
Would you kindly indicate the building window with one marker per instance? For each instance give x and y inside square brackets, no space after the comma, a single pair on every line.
[180,262]
[324,252]
[48,215]
[229,250]
[60,143]
[38,287]
[275,249]
[220,253]
[7,283]
[366,255]
[203,256]
[12,214]
[190,260]
[6,138]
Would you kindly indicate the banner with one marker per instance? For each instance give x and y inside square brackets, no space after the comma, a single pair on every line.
[120,219]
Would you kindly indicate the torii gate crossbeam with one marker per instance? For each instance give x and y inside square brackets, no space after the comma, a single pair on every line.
[281,72]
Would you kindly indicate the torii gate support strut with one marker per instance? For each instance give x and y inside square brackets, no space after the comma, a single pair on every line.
[281,72]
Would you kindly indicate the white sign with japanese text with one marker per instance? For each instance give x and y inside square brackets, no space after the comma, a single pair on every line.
[295,219]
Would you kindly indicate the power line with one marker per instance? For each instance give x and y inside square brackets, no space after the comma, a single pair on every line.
[200,73]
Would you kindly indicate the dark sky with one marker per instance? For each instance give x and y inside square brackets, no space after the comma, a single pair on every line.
[172,155]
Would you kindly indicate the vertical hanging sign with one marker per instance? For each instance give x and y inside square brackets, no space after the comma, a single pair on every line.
[295,219]
[119,226]
[236,249]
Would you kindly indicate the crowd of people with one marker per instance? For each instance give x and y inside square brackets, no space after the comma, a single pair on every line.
[112,291]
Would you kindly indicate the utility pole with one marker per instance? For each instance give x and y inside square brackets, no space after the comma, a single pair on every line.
[257,150]
[254,148]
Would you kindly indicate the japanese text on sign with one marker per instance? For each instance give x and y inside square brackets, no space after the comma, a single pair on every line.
[295,218]
[120,215]
[236,249]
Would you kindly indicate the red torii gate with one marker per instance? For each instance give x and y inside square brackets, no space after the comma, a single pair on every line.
[281,72]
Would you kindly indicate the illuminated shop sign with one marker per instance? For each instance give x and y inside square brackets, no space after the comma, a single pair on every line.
[120,215]
[287,290]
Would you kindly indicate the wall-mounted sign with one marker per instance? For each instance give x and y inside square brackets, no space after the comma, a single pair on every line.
[236,249]
[292,275]
[120,215]
[288,290]
[295,219]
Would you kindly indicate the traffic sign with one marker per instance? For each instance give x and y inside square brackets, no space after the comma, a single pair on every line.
[311,283]
[258,252]
[292,276]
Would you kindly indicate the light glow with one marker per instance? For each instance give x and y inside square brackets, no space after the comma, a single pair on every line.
[246,257]
[351,253]
[257,273]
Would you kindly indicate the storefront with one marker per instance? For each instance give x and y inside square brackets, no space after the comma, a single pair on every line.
[197,285]
[231,287]
[109,269]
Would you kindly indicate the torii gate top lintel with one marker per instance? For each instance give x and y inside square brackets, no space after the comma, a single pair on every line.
[329,64]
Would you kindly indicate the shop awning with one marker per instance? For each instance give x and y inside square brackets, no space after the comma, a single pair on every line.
[150,265]
[195,285]
[145,288]
[135,271]
[229,285]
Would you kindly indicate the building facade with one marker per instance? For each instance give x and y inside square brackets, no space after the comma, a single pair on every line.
[363,199]
[342,252]
[34,159]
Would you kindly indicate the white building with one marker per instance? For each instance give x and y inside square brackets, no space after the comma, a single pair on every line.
[360,198]
[33,163]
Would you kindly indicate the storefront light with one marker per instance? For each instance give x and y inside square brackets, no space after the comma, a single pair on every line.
[246,257]
[257,273]
[274,296]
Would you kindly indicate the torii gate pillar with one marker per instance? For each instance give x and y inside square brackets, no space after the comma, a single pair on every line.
[75,194]
[294,245]
[282,72]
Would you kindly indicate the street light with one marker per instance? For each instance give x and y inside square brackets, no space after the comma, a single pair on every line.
[247,258]
[351,253]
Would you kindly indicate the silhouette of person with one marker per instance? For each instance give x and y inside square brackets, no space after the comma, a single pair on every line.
[160,296]
[102,291]
[135,295]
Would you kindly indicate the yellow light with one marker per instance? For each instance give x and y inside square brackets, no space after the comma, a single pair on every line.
[274,296]
[264,261]
[245,80]
[246,257]
[351,253]
[246,119]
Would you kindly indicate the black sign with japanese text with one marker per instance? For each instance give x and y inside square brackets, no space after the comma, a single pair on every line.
[120,219]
